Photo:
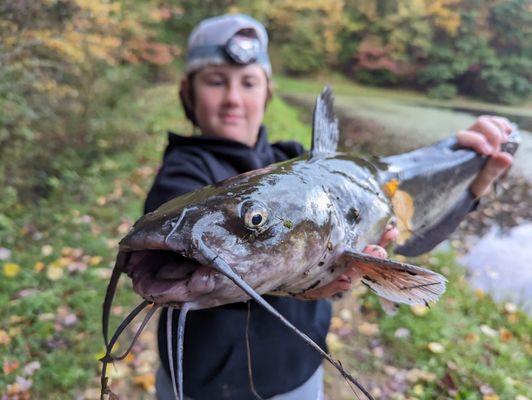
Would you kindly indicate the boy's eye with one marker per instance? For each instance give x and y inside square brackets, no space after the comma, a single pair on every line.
[250,83]
[215,82]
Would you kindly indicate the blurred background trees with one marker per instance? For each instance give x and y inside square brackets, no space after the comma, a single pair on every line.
[68,67]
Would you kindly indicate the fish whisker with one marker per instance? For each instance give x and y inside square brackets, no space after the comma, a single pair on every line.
[226,269]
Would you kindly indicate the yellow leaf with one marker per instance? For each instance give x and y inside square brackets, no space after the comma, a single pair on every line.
[512,318]
[419,309]
[436,348]
[146,381]
[418,390]
[11,269]
[333,342]
[4,338]
[336,323]
[54,273]
[39,266]
[480,294]
[490,397]
[368,329]
[95,260]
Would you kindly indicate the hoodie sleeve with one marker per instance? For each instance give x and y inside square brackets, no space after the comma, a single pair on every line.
[440,231]
[180,173]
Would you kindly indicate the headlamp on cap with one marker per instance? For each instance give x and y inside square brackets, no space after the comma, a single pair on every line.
[243,49]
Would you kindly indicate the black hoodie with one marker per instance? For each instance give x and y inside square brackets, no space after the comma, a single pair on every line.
[215,358]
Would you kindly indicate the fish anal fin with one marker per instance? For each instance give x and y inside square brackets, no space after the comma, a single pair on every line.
[395,281]
[325,132]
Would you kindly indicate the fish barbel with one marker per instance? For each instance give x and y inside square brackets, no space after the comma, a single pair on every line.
[297,225]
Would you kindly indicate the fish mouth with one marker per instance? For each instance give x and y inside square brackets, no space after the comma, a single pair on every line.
[167,277]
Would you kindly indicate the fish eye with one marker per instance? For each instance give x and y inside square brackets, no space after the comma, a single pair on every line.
[254,214]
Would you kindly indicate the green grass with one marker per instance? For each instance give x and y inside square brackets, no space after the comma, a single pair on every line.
[89,210]
[485,347]
[346,87]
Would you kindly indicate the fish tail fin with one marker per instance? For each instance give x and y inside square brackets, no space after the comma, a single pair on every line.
[398,282]
[426,183]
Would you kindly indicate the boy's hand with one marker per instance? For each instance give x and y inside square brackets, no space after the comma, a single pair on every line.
[485,136]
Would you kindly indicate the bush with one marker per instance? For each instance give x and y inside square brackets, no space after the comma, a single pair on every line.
[303,54]
[442,91]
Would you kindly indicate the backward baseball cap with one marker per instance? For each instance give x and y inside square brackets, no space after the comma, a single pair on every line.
[228,39]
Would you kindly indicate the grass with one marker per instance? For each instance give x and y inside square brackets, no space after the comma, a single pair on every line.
[464,347]
[344,86]
[63,248]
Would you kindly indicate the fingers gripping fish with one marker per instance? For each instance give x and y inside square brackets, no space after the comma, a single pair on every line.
[295,226]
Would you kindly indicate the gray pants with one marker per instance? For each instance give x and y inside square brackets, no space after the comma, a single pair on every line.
[312,389]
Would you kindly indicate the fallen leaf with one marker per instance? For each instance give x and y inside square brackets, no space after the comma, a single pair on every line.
[54,273]
[4,338]
[510,308]
[418,390]
[4,253]
[402,333]
[47,250]
[436,348]
[368,329]
[419,309]
[480,294]
[95,260]
[39,266]
[10,366]
[123,228]
[490,397]
[513,318]
[472,337]
[336,323]
[378,352]
[19,389]
[521,397]
[416,374]
[29,369]
[11,269]
[505,335]
[488,331]
[346,314]
[77,266]
[145,381]
[333,342]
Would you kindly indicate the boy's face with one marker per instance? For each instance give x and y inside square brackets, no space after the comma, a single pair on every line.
[229,101]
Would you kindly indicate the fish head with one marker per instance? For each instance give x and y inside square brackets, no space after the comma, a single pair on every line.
[254,225]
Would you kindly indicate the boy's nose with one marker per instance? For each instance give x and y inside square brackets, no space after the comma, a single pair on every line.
[233,97]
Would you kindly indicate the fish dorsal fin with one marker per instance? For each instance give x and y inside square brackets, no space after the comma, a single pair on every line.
[325,133]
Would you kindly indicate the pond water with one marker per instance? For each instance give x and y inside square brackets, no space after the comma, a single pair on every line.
[501,264]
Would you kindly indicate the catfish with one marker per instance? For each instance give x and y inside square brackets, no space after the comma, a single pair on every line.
[292,227]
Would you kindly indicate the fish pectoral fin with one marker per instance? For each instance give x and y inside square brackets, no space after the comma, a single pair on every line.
[397,282]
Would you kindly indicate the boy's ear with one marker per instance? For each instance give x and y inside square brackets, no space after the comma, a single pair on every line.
[269,93]
[185,95]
